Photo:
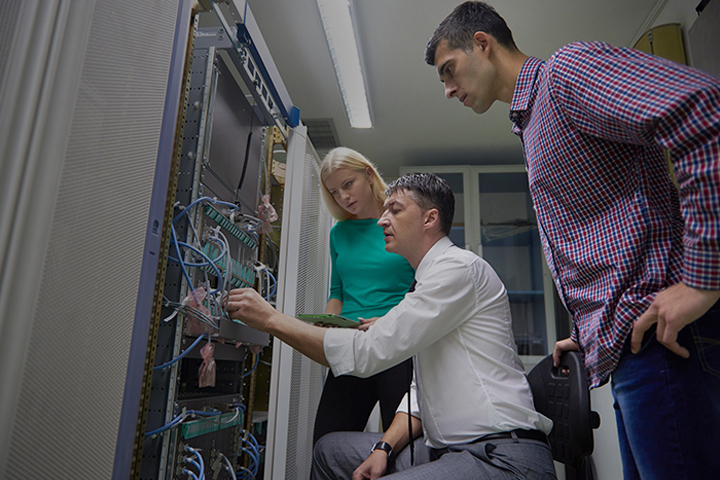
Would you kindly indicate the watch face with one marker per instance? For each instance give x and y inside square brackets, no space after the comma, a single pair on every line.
[384,446]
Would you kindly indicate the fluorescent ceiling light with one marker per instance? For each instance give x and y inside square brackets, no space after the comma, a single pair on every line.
[340,35]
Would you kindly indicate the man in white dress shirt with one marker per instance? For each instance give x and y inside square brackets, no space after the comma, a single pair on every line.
[469,396]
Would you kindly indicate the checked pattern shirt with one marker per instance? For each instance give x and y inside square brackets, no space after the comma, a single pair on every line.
[597,124]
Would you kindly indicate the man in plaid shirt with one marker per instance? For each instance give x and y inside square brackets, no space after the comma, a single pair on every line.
[634,252]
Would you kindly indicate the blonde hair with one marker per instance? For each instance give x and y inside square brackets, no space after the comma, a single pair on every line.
[347,158]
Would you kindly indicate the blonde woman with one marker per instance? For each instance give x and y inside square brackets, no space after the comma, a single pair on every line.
[366,282]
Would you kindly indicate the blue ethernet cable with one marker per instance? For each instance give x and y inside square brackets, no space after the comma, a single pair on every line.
[180,261]
[245,474]
[193,463]
[202,413]
[171,424]
[179,419]
[204,199]
[209,260]
[200,459]
[274,282]
[228,466]
[190,474]
[257,361]
[182,355]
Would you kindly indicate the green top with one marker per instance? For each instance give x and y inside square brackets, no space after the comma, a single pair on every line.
[365,277]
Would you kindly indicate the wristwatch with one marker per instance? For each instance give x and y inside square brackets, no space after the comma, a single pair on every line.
[384,446]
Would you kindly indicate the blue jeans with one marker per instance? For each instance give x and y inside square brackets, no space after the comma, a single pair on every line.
[338,454]
[668,408]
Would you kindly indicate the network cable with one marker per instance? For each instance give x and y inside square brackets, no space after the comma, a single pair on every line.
[190,474]
[253,452]
[228,261]
[182,264]
[207,259]
[274,280]
[174,422]
[185,210]
[237,413]
[182,355]
[176,243]
[181,418]
[193,463]
[245,474]
[197,455]
[268,276]
[193,312]
[228,466]
[223,282]
[257,360]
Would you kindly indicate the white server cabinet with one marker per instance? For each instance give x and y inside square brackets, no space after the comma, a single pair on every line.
[85,89]
[304,278]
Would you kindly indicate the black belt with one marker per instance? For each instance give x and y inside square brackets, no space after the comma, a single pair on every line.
[519,433]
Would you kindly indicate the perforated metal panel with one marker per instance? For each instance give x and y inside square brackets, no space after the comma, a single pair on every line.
[313,242]
[8,14]
[73,375]
[304,268]
[305,390]
[321,132]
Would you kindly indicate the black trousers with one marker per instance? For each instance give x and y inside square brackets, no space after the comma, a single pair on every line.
[347,401]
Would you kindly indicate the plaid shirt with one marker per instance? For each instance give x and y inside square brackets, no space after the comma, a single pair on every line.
[595,122]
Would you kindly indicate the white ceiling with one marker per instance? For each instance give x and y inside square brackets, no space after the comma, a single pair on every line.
[414,124]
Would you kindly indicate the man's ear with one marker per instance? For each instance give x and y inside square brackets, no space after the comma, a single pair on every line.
[482,40]
[431,219]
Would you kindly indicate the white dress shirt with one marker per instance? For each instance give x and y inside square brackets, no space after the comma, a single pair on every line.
[457,323]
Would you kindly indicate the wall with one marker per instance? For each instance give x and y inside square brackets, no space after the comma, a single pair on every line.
[682,12]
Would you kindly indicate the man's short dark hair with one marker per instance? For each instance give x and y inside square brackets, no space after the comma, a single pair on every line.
[428,191]
[460,26]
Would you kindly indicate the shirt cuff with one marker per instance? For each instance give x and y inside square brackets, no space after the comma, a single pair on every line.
[701,269]
[338,348]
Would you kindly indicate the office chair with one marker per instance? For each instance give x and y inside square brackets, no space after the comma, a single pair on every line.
[562,395]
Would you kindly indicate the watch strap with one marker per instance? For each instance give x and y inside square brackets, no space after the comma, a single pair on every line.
[384,446]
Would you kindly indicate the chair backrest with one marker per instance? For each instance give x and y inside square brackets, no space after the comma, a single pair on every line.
[562,395]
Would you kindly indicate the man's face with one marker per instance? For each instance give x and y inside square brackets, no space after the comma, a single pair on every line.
[468,76]
[402,224]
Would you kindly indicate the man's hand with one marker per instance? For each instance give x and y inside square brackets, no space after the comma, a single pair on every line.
[373,467]
[365,323]
[246,305]
[563,346]
[672,309]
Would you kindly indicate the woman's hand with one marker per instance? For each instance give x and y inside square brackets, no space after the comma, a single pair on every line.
[366,323]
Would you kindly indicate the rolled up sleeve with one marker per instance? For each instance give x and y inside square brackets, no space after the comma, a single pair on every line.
[338,347]
[414,405]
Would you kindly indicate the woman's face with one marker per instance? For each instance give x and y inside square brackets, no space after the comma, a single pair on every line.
[352,191]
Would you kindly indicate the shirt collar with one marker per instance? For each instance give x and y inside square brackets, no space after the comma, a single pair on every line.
[436,250]
[524,88]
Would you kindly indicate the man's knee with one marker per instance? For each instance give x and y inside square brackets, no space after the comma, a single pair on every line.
[331,450]
[321,455]
[337,454]
[324,448]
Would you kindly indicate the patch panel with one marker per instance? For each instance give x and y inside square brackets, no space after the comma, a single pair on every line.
[221,220]
[242,275]
[204,426]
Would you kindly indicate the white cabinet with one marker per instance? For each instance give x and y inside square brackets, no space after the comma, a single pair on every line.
[494,217]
